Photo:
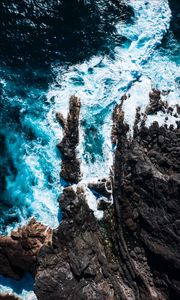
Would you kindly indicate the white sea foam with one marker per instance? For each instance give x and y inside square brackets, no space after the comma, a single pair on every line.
[101,81]
[21,288]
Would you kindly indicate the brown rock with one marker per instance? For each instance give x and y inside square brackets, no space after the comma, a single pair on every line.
[61,120]
[8,297]
[18,252]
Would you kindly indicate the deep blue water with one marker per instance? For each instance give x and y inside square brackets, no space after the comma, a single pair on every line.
[120,52]
[32,38]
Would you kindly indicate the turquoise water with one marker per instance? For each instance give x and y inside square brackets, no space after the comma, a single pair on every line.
[32,179]
[101,81]
[144,60]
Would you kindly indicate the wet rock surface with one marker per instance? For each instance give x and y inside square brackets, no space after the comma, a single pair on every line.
[133,253]
[103,187]
[146,197]
[76,266]
[18,252]
[156,103]
[70,163]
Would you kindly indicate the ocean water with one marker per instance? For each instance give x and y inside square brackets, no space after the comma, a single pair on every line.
[101,81]
[30,163]
[145,54]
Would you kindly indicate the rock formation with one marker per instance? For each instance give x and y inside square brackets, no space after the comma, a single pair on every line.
[70,163]
[77,266]
[103,187]
[134,252]
[18,252]
[156,104]
[146,192]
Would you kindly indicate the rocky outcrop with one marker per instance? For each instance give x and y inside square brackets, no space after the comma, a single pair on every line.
[18,252]
[77,266]
[156,104]
[146,198]
[70,163]
[133,253]
[103,187]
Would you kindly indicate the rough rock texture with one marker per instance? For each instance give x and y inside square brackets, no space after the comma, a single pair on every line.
[134,252]
[18,252]
[77,266]
[146,198]
[70,163]
[156,104]
[103,187]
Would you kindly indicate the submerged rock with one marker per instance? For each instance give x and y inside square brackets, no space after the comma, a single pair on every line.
[18,252]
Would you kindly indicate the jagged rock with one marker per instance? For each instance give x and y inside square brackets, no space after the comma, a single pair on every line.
[70,163]
[61,120]
[76,266]
[134,252]
[117,116]
[156,103]
[102,187]
[18,252]
[103,203]
[146,197]
[178,109]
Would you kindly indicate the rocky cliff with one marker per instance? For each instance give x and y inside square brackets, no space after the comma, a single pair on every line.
[134,251]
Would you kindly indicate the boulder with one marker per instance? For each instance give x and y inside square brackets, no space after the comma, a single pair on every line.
[18,252]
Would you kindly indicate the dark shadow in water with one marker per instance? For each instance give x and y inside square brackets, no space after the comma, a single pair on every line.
[33,35]
[175,21]
[26,283]
[170,45]
[67,31]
